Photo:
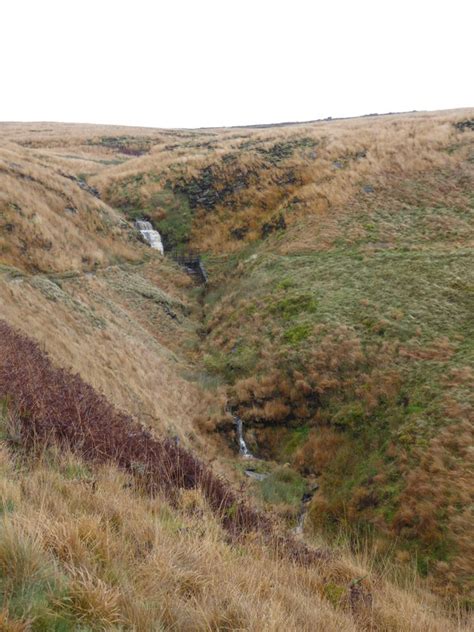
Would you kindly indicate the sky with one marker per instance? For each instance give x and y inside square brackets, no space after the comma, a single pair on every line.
[204,63]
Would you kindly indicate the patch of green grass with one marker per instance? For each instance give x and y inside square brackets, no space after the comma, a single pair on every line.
[233,365]
[296,438]
[298,333]
[334,593]
[30,587]
[284,485]
[176,226]
[76,471]
[292,306]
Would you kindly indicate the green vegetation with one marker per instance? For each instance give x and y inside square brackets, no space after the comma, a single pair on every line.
[283,485]
[176,226]
[378,339]
[337,323]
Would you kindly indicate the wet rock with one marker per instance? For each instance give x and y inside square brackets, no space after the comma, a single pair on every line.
[209,188]
[277,223]
[240,232]
[81,183]
[467,124]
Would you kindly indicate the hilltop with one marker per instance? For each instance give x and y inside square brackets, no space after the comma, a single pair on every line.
[337,323]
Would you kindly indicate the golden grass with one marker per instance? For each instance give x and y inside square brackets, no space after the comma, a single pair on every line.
[329,167]
[126,350]
[116,558]
[90,548]
[50,224]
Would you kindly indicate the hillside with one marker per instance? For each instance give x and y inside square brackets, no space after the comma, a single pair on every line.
[337,324]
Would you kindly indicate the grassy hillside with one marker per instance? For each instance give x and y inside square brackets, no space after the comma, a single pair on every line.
[340,310]
[81,549]
[338,324]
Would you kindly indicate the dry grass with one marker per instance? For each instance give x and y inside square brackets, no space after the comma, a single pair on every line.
[115,331]
[302,171]
[82,545]
[49,223]
[74,276]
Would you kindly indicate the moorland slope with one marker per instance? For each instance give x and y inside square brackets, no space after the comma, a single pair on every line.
[337,324]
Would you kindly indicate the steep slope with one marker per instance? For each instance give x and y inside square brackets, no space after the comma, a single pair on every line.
[80,549]
[340,310]
[82,545]
[337,324]
[74,272]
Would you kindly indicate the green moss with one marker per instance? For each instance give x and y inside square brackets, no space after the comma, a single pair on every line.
[293,306]
[297,437]
[240,361]
[298,333]
[284,485]
[176,226]
[334,593]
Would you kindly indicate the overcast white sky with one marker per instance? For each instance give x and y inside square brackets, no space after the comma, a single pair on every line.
[185,63]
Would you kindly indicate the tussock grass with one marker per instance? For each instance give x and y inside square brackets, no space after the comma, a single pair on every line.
[98,554]
[339,318]
[124,329]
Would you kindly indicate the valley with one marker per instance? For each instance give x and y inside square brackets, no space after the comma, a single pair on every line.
[334,318]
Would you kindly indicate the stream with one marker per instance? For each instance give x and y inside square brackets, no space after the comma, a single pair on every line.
[149,234]
[243,449]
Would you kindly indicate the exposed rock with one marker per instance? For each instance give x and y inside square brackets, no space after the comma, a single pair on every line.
[81,183]
[277,223]
[258,476]
[240,232]
[467,124]
[208,189]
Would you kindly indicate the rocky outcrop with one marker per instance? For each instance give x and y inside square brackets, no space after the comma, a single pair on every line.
[467,124]
[81,183]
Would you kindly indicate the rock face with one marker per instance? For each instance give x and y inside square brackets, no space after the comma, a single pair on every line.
[81,183]
[151,236]
[465,125]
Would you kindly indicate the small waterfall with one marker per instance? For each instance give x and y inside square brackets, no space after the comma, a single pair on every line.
[243,450]
[305,501]
[258,476]
[150,235]
[300,521]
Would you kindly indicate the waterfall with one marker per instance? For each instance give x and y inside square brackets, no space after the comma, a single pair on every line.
[300,521]
[150,235]
[243,450]
[305,501]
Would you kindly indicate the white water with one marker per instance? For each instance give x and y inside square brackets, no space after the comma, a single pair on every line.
[150,235]
[305,503]
[300,522]
[243,450]
[258,476]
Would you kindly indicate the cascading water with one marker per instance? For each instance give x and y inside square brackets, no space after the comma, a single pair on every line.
[243,450]
[150,235]
[305,501]
[300,521]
